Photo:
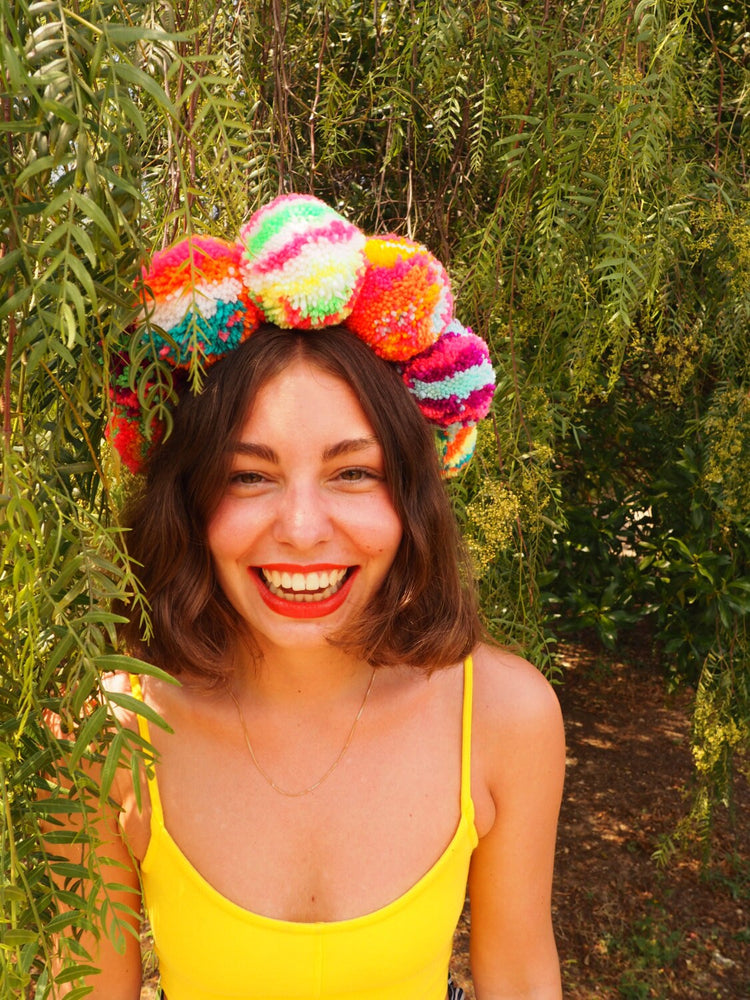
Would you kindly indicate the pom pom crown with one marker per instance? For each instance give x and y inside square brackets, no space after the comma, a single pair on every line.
[301,265]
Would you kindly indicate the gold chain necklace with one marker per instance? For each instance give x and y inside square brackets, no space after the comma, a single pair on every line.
[331,769]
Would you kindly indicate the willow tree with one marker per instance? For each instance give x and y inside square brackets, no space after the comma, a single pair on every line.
[581,170]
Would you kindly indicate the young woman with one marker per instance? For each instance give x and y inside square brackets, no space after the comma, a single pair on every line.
[343,753]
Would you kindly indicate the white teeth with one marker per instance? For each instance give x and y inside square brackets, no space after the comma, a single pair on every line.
[304,586]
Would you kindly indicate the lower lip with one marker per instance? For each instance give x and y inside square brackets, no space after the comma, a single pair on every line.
[304,609]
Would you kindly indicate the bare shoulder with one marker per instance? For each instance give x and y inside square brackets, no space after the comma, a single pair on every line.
[518,741]
[510,693]
[152,691]
[117,683]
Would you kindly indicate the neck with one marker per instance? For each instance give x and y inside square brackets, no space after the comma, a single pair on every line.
[285,676]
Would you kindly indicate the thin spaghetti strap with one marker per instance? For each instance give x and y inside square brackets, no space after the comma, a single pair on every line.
[135,687]
[143,730]
[467,805]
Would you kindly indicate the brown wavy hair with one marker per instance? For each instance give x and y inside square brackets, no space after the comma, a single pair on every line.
[424,613]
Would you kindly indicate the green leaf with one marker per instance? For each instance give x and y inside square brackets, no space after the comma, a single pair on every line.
[60,111]
[15,302]
[142,81]
[132,704]
[111,763]
[37,166]
[79,992]
[122,35]
[11,260]
[77,971]
[116,662]
[94,212]
[90,730]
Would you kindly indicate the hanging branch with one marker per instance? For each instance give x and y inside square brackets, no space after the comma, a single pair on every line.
[720,96]
[314,107]
[7,114]
[281,91]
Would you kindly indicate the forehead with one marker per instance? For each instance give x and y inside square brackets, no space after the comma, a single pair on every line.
[303,400]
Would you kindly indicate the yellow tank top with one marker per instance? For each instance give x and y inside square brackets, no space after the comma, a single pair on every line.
[209,948]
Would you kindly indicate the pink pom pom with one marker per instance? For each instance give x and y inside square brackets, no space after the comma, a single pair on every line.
[452,381]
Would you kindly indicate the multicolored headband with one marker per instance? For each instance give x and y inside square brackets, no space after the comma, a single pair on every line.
[301,265]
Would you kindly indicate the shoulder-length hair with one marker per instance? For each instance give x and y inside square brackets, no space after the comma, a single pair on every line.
[424,613]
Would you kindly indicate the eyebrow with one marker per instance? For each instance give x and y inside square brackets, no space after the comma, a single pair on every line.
[267,454]
[254,451]
[348,446]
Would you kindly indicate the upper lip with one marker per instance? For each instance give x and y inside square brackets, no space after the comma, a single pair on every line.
[299,568]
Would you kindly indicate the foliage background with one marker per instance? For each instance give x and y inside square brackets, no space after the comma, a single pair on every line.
[581,170]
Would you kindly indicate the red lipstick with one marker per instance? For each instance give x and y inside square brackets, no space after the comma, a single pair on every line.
[303,609]
[299,568]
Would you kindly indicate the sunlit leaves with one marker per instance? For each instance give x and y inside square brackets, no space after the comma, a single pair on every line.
[581,171]
[82,119]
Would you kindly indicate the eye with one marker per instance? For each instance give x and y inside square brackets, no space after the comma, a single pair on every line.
[246,479]
[358,475]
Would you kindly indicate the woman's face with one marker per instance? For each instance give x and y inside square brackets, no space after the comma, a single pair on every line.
[305,531]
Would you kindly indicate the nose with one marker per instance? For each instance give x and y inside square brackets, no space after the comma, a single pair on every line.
[302,519]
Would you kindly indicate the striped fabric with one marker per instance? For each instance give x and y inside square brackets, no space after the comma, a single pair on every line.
[455,992]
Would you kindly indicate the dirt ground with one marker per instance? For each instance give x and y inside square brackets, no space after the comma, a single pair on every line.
[626,928]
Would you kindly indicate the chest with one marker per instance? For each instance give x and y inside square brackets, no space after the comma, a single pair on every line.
[379,821]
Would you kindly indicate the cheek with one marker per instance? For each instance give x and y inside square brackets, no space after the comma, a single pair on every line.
[225,530]
[383,532]
[396,533]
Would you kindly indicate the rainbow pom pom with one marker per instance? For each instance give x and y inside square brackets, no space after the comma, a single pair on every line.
[193,291]
[456,445]
[406,300]
[302,261]
[452,380]
[125,430]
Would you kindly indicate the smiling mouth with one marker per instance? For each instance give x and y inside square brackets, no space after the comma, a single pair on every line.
[304,587]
